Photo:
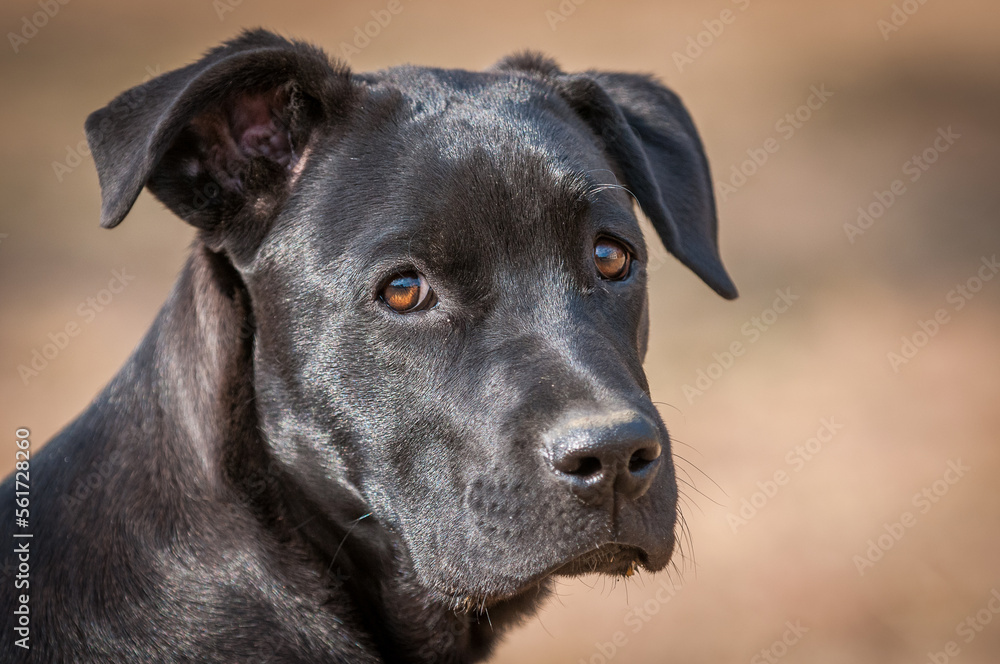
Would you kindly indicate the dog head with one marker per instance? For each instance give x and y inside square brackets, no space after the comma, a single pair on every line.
[448,285]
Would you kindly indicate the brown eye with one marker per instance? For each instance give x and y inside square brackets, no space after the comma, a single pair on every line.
[612,259]
[408,291]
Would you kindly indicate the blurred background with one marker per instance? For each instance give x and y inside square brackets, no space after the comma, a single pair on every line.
[836,427]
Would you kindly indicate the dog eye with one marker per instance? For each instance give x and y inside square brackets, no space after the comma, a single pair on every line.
[612,259]
[407,292]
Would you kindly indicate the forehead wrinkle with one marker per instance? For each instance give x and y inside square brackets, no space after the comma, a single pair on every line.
[497,203]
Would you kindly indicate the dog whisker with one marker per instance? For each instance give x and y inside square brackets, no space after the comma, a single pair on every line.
[668,405]
[346,535]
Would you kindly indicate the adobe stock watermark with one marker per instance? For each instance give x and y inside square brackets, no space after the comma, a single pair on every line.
[223,7]
[635,619]
[23,536]
[697,44]
[30,25]
[898,17]
[967,630]
[87,311]
[957,297]
[563,11]
[913,168]
[924,501]
[750,332]
[76,154]
[781,646]
[363,35]
[785,127]
[796,459]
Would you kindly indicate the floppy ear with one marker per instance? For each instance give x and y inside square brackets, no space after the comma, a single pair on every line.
[220,141]
[648,133]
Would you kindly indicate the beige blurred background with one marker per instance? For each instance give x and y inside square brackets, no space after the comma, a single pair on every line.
[786,583]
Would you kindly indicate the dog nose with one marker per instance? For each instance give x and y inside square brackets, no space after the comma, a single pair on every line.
[606,454]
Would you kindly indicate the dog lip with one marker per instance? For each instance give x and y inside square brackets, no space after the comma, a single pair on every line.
[612,558]
[616,558]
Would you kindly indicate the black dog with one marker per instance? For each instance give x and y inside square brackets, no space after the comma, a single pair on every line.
[399,383]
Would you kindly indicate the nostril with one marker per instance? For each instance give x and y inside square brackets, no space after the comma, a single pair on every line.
[584,467]
[642,459]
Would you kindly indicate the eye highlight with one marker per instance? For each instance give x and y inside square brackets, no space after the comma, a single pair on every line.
[612,259]
[407,292]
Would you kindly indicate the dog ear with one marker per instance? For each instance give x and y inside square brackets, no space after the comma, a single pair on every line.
[649,135]
[220,141]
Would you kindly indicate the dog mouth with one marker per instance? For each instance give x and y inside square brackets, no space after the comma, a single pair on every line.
[611,559]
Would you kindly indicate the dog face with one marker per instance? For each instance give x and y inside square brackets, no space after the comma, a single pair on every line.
[449,291]
[485,219]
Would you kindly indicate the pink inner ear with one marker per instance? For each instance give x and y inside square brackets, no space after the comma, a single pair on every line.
[256,129]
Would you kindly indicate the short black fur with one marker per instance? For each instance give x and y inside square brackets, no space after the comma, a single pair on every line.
[297,473]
